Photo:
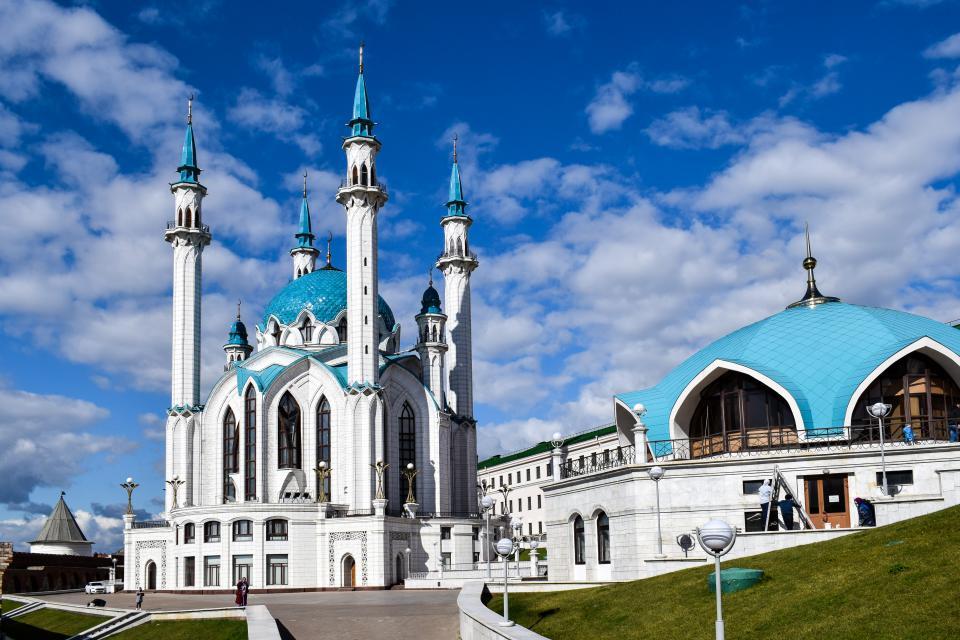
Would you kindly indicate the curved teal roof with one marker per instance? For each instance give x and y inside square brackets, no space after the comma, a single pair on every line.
[238,334]
[819,354]
[430,303]
[323,292]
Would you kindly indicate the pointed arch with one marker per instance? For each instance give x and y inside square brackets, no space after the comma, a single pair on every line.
[276,333]
[373,174]
[288,432]
[197,216]
[603,538]
[356,176]
[306,330]
[364,175]
[324,442]
[579,541]
[407,443]
[188,221]
[342,329]
[179,217]
[250,443]
[459,247]
[231,454]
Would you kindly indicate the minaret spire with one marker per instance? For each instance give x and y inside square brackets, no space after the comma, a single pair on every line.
[304,253]
[190,109]
[329,242]
[812,296]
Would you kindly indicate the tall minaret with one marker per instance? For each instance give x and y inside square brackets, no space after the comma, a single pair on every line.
[456,263]
[362,196]
[304,254]
[188,236]
[431,342]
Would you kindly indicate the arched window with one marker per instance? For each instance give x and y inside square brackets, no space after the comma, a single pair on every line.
[435,333]
[459,247]
[288,432]
[923,395]
[356,180]
[342,330]
[363,175]
[737,412]
[603,538]
[579,541]
[306,330]
[211,531]
[323,442]
[250,459]
[189,533]
[179,217]
[373,175]
[197,217]
[188,222]
[231,455]
[408,444]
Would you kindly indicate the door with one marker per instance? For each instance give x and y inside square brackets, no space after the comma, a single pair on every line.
[151,576]
[827,501]
[349,571]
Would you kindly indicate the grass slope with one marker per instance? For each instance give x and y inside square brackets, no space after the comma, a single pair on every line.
[49,624]
[229,629]
[900,581]
[7,605]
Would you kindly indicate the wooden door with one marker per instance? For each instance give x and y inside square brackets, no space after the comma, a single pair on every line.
[828,503]
[151,576]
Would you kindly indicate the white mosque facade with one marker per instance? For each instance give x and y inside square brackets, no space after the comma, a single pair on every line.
[274,476]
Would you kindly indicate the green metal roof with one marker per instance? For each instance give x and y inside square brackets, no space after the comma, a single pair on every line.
[545,446]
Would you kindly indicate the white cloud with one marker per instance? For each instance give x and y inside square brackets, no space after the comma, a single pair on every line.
[610,106]
[691,128]
[255,111]
[562,23]
[828,84]
[946,48]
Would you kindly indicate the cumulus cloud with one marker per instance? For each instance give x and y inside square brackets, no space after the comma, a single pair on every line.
[691,128]
[561,23]
[255,111]
[611,106]
[828,84]
[946,48]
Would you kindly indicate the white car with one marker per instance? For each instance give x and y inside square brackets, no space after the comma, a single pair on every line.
[95,587]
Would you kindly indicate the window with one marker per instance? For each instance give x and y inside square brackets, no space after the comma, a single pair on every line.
[579,541]
[211,571]
[364,176]
[540,527]
[501,481]
[530,528]
[276,569]
[250,444]
[342,330]
[528,475]
[211,531]
[231,455]
[444,533]
[538,472]
[356,179]
[323,443]
[549,469]
[593,459]
[582,462]
[752,487]
[288,432]
[447,559]
[408,444]
[189,571]
[896,477]
[277,333]
[306,330]
[603,538]
[276,529]
[476,557]
[475,534]
[539,502]
[242,567]
[189,533]
[242,531]
[511,506]
[519,504]
[753,521]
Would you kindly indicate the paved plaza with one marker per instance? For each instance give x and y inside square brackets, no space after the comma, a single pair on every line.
[349,615]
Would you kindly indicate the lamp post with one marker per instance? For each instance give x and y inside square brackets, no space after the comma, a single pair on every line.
[556,455]
[516,524]
[410,473]
[486,504]
[129,486]
[534,544]
[323,472]
[717,537]
[504,549]
[406,553]
[175,484]
[880,411]
[656,474]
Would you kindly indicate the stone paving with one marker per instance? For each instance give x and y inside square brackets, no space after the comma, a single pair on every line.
[348,615]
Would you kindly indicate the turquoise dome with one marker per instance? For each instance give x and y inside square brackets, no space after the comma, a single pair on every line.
[820,354]
[238,334]
[430,303]
[324,293]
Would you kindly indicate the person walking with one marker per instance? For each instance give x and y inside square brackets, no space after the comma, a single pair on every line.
[766,495]
[954,419]
[238,600]
[245,589]
[139,598]
[787,505]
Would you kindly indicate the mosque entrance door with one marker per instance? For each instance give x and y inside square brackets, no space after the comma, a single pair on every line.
[827,501]
[151,576]
[349,571]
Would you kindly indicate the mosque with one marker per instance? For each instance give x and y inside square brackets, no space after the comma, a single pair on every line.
[327,457]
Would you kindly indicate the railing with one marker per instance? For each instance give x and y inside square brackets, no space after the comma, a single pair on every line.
[150,524]
[453,255]
[608,459]
[349,184]
[172,224]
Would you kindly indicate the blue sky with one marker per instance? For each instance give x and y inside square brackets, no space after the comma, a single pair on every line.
[639,177]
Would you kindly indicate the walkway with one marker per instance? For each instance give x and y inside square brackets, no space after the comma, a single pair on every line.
[349,615]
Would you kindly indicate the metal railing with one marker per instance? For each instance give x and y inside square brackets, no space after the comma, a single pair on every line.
[602,461]
[349,184]
[452,255]
[172,224]
[150,524]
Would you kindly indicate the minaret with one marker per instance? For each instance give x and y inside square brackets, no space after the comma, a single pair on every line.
[431,343]
[362,196]
[304,254]
[456,263]
[237,347]
[188,236]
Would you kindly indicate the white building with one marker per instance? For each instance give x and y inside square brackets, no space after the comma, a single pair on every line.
[273,476]
[783,399]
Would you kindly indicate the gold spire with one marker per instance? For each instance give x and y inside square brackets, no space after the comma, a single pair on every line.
[361,56]
[304,183]
[455,148]
[813,296]
[190,109]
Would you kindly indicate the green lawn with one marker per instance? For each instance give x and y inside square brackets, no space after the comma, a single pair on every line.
[49,624]
[218,629]
[7,605]
[898,582]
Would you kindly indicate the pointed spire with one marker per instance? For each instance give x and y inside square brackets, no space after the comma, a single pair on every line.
[305,234]
[456,205]
[812,296]
[189,171]
[329,242]
[361,124]
[239,302]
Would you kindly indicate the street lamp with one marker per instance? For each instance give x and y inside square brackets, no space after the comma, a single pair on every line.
[640,434]
[717,537]
[129,486]
[406,553]
[504,548]
[410,473]
[486,504]
[323,472]
[880,411]
[516,523]
[534,544]
[656,473]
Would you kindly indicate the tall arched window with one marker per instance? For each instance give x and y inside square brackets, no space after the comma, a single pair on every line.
[603,538]
[288,432]
[459,247]
[408,444]
[250,447]
[373,175]
[342,330]
[277,333]
[306,330]
[579,541]
[231,455]
[179,217]
[363,175]
[188,222]
[197,217]
[356,180]
[323,442]
[923,395]
[737,412]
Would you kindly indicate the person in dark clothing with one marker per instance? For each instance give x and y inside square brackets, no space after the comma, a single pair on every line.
[866,513]
[954,420]
[139,598]
[787,505]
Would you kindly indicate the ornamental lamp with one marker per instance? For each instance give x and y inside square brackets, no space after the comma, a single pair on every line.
[556,440]
[716,535]
[504,547]
[655,473]
[879,409]
[534,544]
[639,409]
[487,502]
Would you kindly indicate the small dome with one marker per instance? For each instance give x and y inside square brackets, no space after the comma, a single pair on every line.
[238,334]
[430,303]
[324,293]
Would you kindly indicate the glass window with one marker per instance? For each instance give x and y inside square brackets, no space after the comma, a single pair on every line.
[549,469]
[211,571]
[579,541]
[529,502]
[276,569]
[242,567]
[276,529]
[324,435]
[603,538]
[242,530]
[447,559]
[250,445]
[342,330]
[753,521]
[752,487]
[288,432]
[231,455]
[540,527]
[306,330]
[189,571]
[189,533]
[539,501]
[528,475]
[211,531]
[476,533]
[538,472]
[408,445]
[444,533]
[895,477]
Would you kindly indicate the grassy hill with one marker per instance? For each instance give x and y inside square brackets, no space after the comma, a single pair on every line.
[901,581]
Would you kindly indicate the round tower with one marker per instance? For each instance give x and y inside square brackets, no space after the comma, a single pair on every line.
[432,342]
[237,347]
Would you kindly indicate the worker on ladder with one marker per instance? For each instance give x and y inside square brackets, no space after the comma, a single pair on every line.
[766,496]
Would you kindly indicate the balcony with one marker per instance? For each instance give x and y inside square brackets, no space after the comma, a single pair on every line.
[150,524]
[172,224]
[379,186]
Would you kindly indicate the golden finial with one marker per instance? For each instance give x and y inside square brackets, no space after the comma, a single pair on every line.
[812,296]
[361,56]
[304,183]
[455,148]
[190,109]
[329,241]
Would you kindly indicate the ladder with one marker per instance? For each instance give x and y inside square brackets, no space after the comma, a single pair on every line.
[780,481]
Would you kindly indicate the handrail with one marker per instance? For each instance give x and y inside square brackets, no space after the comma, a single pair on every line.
[150,524]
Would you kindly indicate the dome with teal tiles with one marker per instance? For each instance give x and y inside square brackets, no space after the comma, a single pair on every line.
[238,334]
[430,302]
[818,353]
[322,292]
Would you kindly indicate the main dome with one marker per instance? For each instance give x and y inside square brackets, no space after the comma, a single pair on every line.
[322,292]
[819,354]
